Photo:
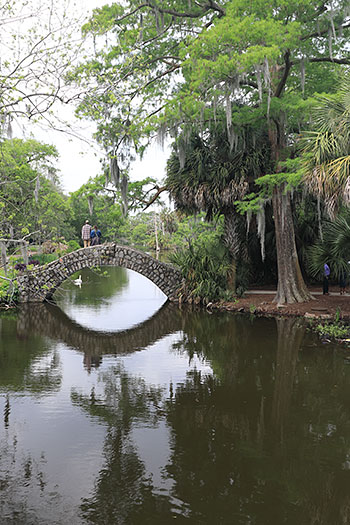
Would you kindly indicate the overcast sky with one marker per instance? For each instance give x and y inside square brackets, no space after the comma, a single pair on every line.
[80,159]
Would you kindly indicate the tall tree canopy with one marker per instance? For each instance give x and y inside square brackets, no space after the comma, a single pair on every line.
[30,197]
[166,66]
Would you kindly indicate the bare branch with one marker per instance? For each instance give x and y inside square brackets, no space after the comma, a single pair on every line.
[158,77]
[345,61]
[155,197]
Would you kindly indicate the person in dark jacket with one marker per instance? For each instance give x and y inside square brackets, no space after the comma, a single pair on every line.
[326,274]
[95,236]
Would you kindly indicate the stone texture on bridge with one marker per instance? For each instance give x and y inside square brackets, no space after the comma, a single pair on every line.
[40,283]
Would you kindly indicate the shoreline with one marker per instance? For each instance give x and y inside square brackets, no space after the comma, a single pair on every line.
[259,302]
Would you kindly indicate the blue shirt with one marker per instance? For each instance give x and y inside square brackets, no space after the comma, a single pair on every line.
[326,270]
[95,233]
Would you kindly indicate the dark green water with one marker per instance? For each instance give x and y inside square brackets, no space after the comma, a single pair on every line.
[116,410]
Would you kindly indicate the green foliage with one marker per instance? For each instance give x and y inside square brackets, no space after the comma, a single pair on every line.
[73,245]
[30,197]
[8,292]
[197,67]
[326,160]
[253,202]
[204,265]
[214,175]
[334,330]
[334,249]
[212,59]
[102,204]
[193,227]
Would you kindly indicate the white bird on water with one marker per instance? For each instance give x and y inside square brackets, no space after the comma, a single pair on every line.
[78,281]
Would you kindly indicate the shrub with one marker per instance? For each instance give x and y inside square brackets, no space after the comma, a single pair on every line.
[6,295]
[73,245]
[333,330]
[45,258]
[204,266]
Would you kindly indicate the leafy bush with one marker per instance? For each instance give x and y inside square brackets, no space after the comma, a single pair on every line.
[45,258]
[333,330]
[204,266]
[73,245]
[242,278]
[8,293]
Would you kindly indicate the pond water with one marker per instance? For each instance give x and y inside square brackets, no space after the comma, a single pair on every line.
[120,409]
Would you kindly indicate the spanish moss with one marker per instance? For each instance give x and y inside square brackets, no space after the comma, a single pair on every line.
[37,188]
[114,171]
[161,135]
[267,80]
[124,192]
[259,82]
[261,230]
[90,204]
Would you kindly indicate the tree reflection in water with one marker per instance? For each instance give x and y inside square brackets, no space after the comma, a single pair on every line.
[241,450]
[29,367]
[124,491]
[27,362]
[263,439]
[244,451]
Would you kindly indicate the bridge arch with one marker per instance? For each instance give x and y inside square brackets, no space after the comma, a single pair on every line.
[40,283]
[49,320]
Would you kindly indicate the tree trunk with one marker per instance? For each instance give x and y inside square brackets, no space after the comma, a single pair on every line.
[291,287]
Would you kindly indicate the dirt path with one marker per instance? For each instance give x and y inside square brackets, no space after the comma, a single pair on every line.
[322,306]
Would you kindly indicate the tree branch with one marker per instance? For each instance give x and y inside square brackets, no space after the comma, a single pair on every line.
[283,80]
[210,6]
[320,33]
[345,61]
[155,197]
[158,77]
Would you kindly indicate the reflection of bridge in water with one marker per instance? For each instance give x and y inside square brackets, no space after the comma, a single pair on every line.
[50,321]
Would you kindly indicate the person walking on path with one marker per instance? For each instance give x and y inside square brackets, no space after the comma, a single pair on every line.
[85,234]
[326,273]
[95,236]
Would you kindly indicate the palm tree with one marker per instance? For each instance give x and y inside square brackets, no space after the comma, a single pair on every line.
[210,175]
[334,248]
[327,150]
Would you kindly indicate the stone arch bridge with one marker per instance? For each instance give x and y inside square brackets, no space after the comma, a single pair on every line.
[40,283]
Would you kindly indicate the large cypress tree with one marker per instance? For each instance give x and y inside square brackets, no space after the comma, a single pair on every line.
[167,65]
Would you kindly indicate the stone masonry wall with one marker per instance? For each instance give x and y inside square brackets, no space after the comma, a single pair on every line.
[40,283]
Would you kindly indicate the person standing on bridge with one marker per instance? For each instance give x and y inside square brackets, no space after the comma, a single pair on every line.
[95,236]
[85,234]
